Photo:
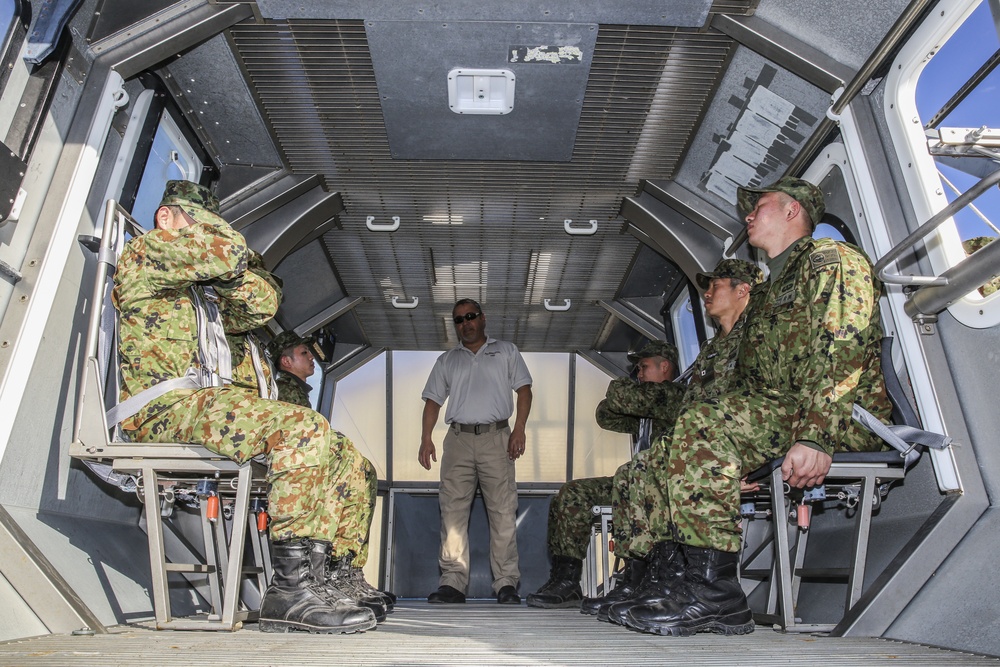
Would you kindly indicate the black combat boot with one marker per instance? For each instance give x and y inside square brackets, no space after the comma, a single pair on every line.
[297,600]
[336,574]
[628,581]
[709,598]
[356,579]
[562,590]
[666,567]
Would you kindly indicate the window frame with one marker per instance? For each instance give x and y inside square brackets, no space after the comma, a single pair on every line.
[920,173]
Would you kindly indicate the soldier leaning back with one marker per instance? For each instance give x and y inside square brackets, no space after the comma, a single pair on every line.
[810,350]
[190,249]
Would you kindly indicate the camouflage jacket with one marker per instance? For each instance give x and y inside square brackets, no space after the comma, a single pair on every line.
[292,390]
[626,402]
[158,332]
[813,335]
[711,372]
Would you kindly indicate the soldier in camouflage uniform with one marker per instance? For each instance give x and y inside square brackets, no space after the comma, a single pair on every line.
[973,245]
[158,275]
[295,359]
[655,400]
[635,490]
[810,350]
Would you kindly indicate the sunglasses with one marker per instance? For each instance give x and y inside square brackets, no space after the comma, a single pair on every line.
[468,317]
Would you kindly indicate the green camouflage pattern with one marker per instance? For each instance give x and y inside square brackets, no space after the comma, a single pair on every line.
[283,341]
[974,245]
[196,200]
[292,390]
[712,369]
[804,192]
[571,515]
[361,482]
[656,348]
[632,499]
[312,469]
[637,493]
[628,401]
[741,270]
[625,403]
[810,350]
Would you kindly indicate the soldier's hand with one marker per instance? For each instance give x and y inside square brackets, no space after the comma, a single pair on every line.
[805,467]
[427,454]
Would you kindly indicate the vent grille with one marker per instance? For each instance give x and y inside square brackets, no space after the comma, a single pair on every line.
[648,87]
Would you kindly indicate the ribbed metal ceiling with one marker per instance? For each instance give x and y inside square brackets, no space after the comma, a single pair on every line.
[489,230]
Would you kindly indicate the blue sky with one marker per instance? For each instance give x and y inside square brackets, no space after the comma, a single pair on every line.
[974,42]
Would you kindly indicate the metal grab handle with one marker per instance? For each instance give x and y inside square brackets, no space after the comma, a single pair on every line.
[549,305]
[405,305]
[923,230]
[580,231]
[387,227]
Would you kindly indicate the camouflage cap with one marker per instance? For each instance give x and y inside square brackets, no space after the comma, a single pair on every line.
[285,340]
[739,269]
[196,200]
[804,192]
[656,348]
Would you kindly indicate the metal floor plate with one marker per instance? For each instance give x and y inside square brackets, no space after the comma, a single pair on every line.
[477,633]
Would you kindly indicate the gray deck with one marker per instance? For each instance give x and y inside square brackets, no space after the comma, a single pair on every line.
[471,634]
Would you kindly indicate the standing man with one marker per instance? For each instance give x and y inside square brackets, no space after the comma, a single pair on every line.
[647,410]
[481,376]
[636,491]
[194,262]
[293,355]
[810,351]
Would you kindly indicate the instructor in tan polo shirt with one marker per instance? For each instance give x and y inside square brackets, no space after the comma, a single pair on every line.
[480,377]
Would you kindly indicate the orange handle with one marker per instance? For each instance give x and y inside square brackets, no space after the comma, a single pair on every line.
[262,520]
[213,508]
[802,516]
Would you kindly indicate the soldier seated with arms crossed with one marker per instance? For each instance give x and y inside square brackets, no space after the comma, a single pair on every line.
[161,277]
[810,351]
[295,362]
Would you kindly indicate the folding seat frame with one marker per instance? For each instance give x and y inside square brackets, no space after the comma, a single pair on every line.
[862,478]
[162,472]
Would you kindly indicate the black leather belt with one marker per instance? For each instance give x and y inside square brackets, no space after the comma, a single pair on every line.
[479,429]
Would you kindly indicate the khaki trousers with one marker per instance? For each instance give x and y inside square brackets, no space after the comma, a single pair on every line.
[467,460]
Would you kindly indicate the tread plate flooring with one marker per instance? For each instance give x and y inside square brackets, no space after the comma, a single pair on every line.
[477,633]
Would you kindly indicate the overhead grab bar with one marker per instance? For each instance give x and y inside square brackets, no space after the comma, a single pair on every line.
[580,231]
[387,227]
[550,306]
[923,230]
[405,305]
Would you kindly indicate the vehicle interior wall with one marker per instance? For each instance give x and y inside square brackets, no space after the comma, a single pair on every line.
[91,533]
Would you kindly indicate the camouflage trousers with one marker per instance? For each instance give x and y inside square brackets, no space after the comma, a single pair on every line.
[631,503]
[571,515]
[316,475]
[694,478]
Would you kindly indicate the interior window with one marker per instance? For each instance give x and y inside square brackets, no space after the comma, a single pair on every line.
[171,157]
[685,331]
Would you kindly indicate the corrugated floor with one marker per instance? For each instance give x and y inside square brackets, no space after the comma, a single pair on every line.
[471,634]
